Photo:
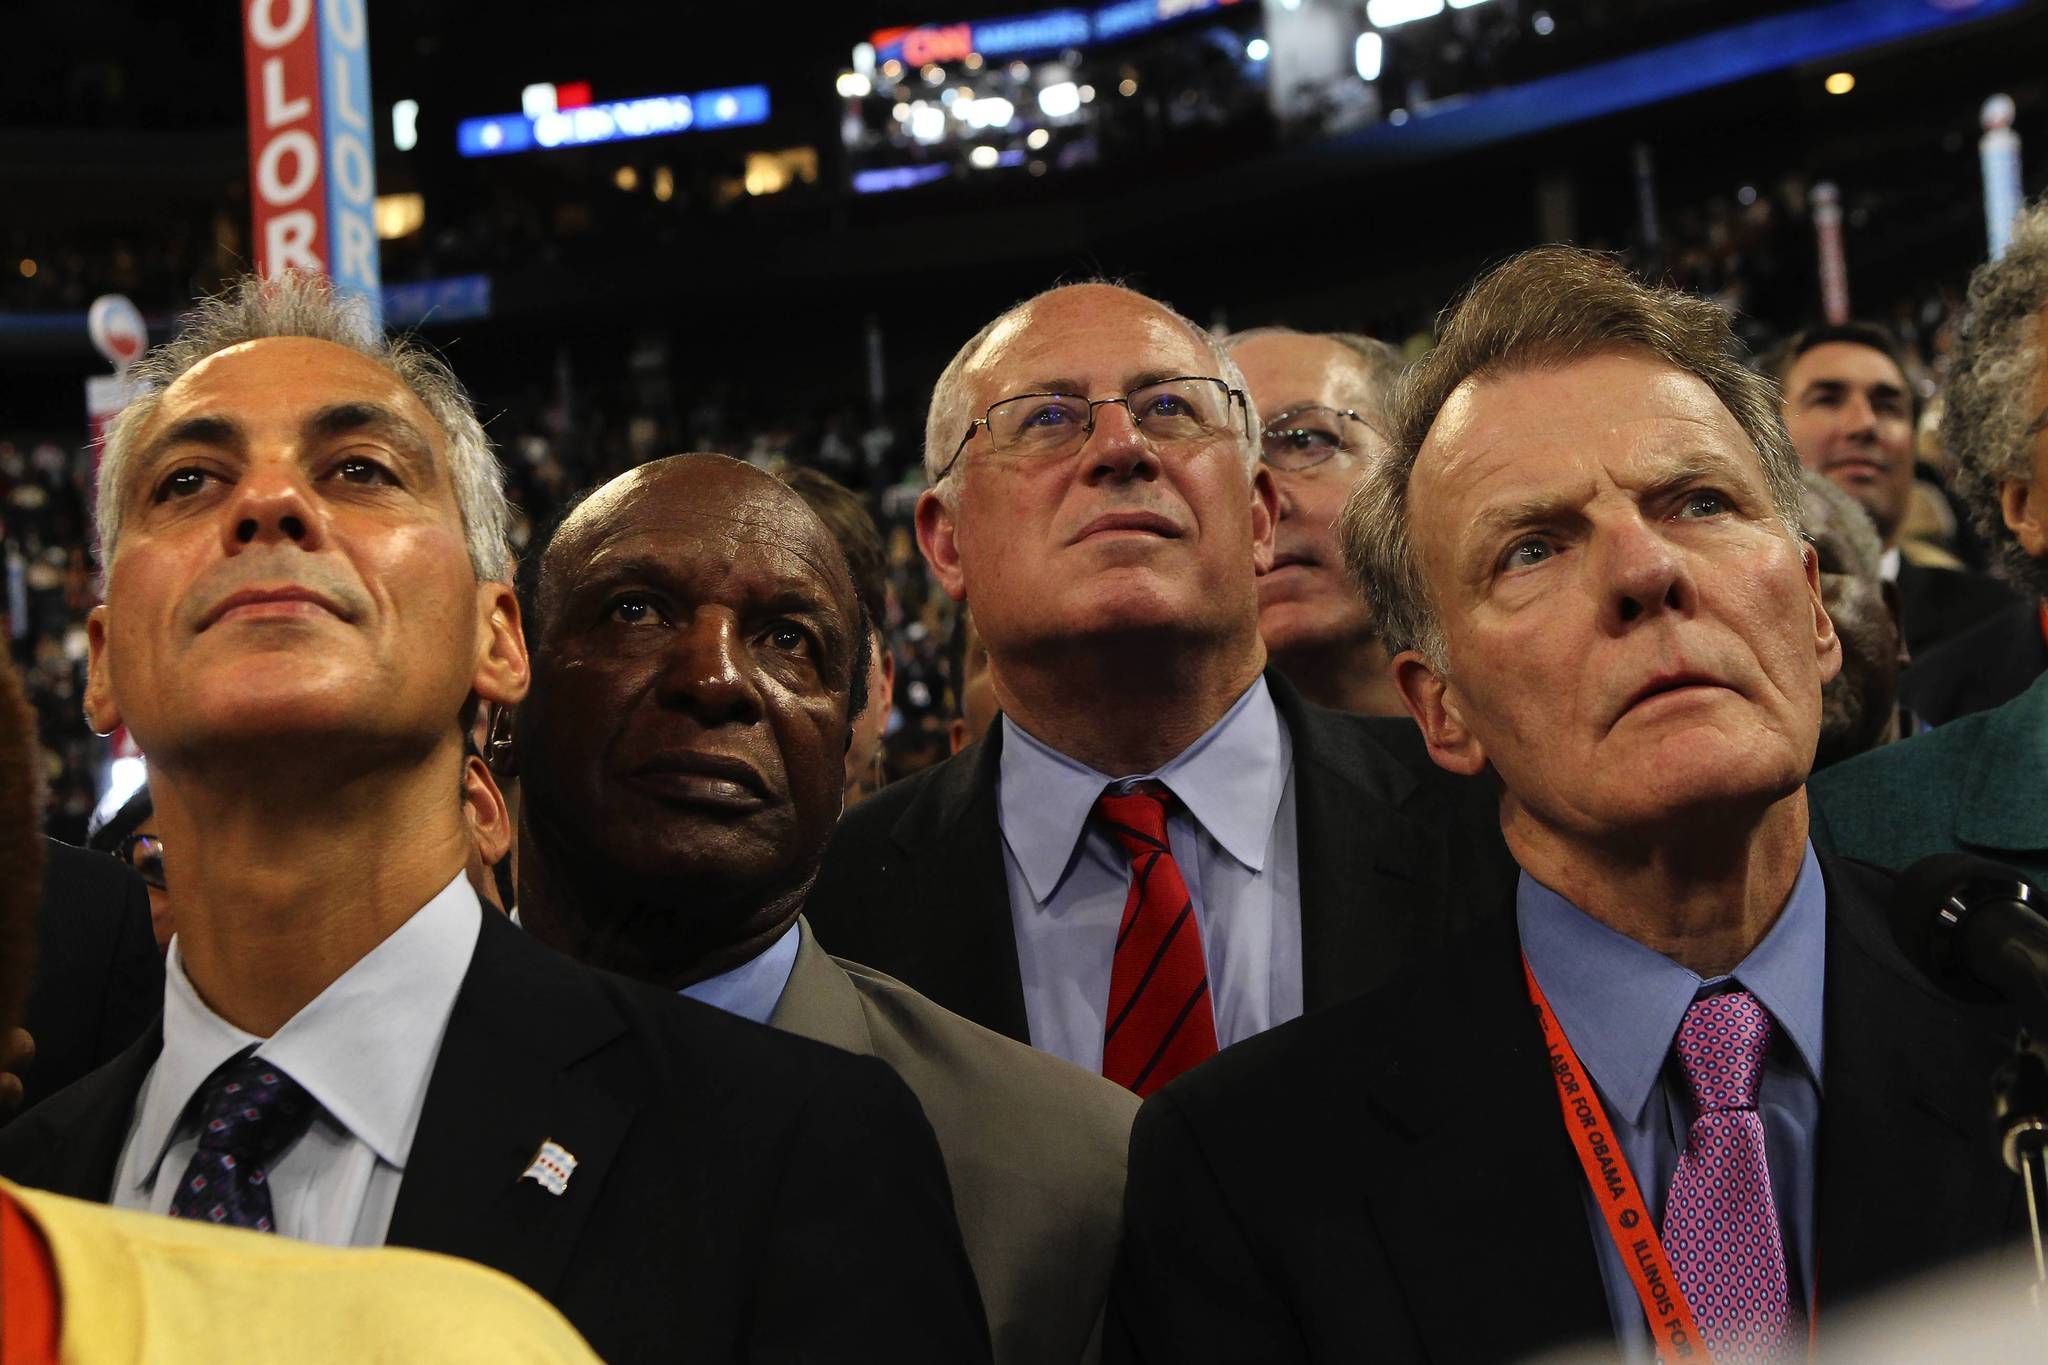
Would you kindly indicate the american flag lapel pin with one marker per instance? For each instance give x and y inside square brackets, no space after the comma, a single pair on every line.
[551,1168]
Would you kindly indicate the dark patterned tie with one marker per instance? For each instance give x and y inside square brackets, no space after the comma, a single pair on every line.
[249,1113]
[1160,1021]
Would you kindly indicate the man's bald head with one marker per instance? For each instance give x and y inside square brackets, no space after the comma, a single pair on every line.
[1061,309]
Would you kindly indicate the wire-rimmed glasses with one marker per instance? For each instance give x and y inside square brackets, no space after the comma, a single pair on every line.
[1050,425]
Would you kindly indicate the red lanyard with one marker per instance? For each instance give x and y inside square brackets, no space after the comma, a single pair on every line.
[1672,1325]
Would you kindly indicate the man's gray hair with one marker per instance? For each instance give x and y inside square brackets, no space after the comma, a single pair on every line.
[1548,306]
[1381,364]
[1848,515]
[948,417]
[1994,383]
[296,304]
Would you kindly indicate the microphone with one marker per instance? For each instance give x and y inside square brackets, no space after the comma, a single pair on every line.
[1976,928]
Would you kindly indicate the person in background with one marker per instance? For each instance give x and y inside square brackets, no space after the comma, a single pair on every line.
[1991,425]
[1851,411]
[974,691]
[1859,707]
[86,1284]
[1323,400]
[301,528]
[1160,848]
[129,836]
[1583,553]
[682,751]
[1973,784]
[843,511]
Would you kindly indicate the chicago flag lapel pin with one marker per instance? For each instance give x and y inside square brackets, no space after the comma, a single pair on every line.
[552,1166]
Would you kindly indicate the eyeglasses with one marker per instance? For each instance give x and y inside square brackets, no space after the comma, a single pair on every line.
[144,853]
[1308,436]
[1049,425]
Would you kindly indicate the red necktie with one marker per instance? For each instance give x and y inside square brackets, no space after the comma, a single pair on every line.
[1159,1022]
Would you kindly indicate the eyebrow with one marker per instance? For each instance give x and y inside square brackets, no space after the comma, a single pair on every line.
[1513,516]
[1884,388]
[1077,388]
[351,419]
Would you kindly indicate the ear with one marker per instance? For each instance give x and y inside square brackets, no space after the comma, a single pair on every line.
[1826,644]
[2023,513]
[1437,710]
[490,821]
[938,542]
[101,712]
[1265,516]
[502,671]
[956,735]
[886,657]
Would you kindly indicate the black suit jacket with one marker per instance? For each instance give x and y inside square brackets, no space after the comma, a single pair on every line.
[1391,1179]
[913,883]
[738,1194]
[1979,670]
[1939,604]
[98,979]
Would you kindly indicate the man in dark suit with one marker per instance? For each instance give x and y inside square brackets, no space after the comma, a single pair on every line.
[1097,497]
[302,529]
[1852,415]
[1583,549]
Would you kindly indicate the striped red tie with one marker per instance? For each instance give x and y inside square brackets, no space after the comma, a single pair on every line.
[1159,1022]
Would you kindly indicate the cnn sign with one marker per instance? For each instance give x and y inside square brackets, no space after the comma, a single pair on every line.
[312,176]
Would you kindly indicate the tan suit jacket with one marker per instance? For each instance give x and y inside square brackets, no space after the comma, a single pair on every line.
[1034,1149]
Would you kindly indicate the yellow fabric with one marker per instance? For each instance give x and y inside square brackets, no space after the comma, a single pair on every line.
[141,1288]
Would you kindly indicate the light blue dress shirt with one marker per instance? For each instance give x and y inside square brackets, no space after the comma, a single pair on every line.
[1620,1004]
[1232,833]
[752,989]
[364,1049]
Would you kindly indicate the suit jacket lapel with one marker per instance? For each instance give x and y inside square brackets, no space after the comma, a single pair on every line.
[504,1083]
[819,1003]
[1908,1175]
[1491,1179]
[83,1159]
[966,939]
[1356,853]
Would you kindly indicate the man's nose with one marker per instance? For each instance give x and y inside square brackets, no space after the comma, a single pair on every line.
[706,669]
[272,504]
[1644,573]
[1117,448]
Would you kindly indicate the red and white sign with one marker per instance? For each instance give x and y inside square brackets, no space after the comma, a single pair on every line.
[312,177]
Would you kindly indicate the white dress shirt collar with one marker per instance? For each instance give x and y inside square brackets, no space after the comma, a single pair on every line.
[1231,781]
[364,1047]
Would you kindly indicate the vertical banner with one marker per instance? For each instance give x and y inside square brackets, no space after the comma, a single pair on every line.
[1998,152]
[312,176]
[1834,265]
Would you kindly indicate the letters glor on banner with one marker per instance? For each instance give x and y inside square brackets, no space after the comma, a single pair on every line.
[312,173]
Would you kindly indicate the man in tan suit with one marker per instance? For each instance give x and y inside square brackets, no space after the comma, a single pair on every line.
[699,651]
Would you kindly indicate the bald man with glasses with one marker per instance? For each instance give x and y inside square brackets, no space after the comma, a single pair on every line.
[1160,848]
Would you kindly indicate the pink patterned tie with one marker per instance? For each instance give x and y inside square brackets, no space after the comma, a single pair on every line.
[1720,1222]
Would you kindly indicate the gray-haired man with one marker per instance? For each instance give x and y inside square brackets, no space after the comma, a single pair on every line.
[302,533]
[1600,1113]
[1160,849]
